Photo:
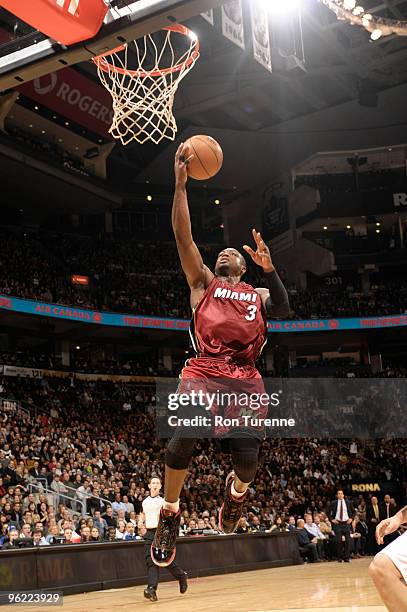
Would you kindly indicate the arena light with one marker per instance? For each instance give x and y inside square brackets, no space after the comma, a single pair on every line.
[325,227]
[348,227]
[347,10]
[217,202]
[280,7]
[149,198]
[376,34]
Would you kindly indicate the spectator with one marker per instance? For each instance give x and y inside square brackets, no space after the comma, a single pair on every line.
[100,523]
[307,544]
[13,540]
[291,526]
[85,534]
[256,525]
[128,506]
[120,530]
[314,530]
[133,519]
[38,539]
[95,535]
[372,518]
[118,504]
[355,539]
[111,534]
[26,532]
[52,536]
[362,528]
[83,493]
[130,533]
[108,517]
[278,525]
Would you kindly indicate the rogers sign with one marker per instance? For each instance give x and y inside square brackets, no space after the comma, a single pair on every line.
[74,96]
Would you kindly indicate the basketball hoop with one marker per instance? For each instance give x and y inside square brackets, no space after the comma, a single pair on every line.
[143,98]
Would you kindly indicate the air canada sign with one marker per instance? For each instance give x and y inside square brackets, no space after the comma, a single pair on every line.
[75,97]
[69,313]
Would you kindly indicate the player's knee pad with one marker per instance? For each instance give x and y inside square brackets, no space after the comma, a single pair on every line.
[179,452]
[245,455]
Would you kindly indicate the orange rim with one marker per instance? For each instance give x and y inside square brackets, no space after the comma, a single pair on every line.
[103,64]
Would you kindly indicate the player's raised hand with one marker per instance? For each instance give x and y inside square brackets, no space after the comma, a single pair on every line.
[182,157]
[262,255]
[386,527]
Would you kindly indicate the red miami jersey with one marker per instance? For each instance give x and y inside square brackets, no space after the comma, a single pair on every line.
[229,321]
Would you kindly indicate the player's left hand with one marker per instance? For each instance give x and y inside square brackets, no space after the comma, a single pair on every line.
[182,158]
[262,255]
[386,527]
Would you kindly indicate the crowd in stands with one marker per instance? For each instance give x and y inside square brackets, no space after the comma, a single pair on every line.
[95,455]
[383,299]
[148,364]
[145,278]
[51,149]
[366,181]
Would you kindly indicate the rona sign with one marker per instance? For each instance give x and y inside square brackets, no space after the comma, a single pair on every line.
[366,488]
[374,487]
[400,200]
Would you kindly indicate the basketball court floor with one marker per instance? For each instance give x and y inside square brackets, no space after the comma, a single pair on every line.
[327,587]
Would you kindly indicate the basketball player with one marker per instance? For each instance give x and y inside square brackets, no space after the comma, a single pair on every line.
[389,567]
[151,510]
[229,335]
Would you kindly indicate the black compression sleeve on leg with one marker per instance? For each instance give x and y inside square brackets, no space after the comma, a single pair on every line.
[179,452]
[245,456]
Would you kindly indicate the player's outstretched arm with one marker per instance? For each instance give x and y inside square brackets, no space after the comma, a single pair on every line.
[391,525]
[197,273]
[275,298]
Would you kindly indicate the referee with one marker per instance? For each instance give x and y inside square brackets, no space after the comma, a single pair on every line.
[151,512]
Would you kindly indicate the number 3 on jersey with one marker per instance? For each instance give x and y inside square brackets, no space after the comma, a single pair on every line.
[252,310]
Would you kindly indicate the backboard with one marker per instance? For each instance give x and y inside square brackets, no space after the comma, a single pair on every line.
[26,53]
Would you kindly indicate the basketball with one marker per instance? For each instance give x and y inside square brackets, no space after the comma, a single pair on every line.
[208,157]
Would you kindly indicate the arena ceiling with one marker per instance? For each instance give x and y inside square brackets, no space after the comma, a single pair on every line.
[348,94]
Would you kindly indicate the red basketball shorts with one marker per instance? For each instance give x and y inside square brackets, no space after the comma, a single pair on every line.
[235,394]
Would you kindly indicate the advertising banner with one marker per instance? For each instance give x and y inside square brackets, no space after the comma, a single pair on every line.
[232,22]
[261,35]
[75,97]
[71,313]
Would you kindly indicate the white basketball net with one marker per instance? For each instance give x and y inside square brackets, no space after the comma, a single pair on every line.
[143,99]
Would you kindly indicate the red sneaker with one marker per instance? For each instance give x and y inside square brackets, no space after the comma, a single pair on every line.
[232,508]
